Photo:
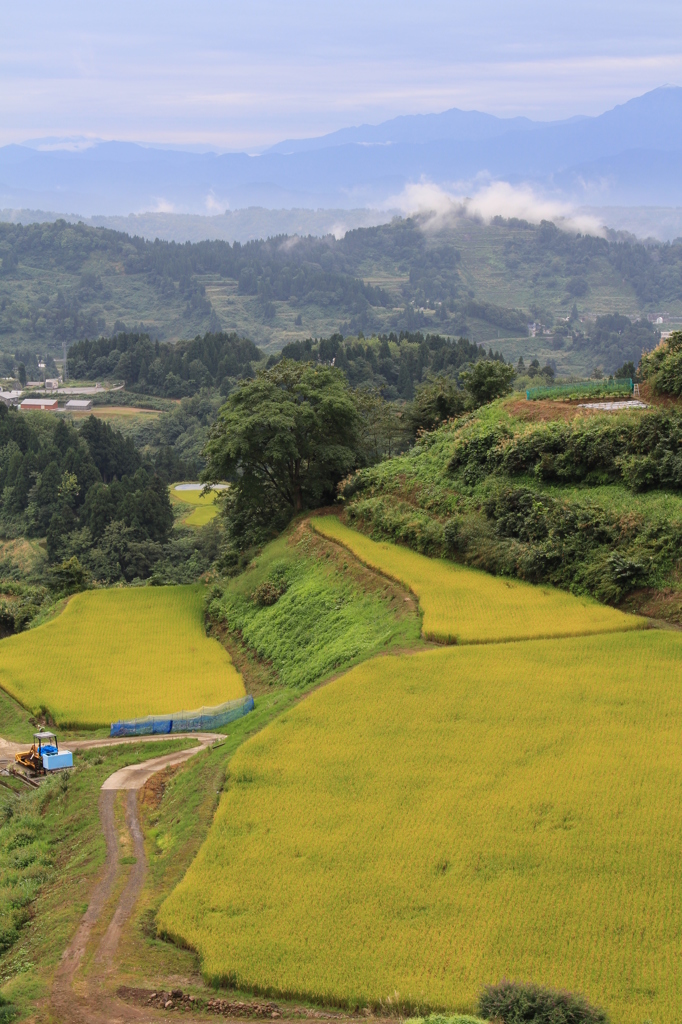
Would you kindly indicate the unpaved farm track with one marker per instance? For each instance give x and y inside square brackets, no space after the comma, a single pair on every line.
[86,1001]
[92,1006]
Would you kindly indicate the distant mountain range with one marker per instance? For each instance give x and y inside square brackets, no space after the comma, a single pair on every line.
[628,156]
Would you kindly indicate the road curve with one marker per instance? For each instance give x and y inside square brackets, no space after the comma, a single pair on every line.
[134,776]
[88,1006]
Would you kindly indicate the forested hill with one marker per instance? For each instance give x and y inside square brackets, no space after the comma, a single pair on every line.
[63,283]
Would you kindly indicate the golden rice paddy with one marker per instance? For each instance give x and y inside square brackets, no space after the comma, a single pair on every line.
[429,823]
[120,653]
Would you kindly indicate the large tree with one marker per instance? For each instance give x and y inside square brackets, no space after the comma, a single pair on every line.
[284,439]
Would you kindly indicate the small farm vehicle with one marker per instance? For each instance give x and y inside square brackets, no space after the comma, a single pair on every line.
[44,755]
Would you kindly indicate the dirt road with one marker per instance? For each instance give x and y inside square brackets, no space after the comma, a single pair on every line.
[91,1006]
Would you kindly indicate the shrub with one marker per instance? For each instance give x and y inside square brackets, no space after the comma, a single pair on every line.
[515,1002]
[268,593]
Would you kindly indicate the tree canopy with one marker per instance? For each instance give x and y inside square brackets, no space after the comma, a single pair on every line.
[487,380]
[285,439]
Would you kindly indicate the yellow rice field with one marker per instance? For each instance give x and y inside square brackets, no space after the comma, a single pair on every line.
[204,506]
[465,606]
[429,823]
[120,653]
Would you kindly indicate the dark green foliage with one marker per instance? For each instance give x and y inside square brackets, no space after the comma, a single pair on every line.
[114,455]
[435,401]
[499,316]
[20,601]
[69,578]
[662,368]
[642,452]
[487,380]
[269,592]
[285,439]
[567,544]
[157,368]
[52,484]
[45,466]
[395,366]
[627,370]
[519,500]
[615,337]
[513,1002]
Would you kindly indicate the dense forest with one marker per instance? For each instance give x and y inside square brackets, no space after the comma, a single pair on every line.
[216,360]
[103,508]
[61,282]
[395,364]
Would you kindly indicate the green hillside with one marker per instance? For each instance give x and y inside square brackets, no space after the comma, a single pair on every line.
[543,492]
[62,282]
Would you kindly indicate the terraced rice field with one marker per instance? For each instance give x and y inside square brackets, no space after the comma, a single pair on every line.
[465,606]
[120,653]
[432,822]
[204,505]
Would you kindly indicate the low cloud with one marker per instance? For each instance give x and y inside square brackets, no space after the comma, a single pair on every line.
[436,206]
[214,205]
[162,205]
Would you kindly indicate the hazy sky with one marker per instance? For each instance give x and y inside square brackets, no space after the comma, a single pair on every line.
[247,74]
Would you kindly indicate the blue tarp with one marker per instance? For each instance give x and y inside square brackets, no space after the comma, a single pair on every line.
[185,721]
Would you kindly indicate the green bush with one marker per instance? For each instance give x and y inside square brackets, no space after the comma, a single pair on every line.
[7,1011]
[662,368]
[515,1002]
[642,453]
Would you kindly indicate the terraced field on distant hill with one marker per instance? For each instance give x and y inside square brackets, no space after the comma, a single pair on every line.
[120,653]
[203,505]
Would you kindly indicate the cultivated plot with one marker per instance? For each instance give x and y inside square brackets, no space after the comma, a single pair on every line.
[120,653]
[429,823]
[204,504]
[465,606]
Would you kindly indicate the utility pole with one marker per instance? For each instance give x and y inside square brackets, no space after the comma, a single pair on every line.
[65,372]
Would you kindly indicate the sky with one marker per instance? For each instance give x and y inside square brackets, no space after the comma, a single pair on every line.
[242,75]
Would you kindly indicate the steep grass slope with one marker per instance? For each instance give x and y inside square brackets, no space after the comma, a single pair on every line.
[120,653]
[428,823]
[463,605]
[327,611]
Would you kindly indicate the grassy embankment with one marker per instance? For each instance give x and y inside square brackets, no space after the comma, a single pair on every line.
[119,653]
[331,613]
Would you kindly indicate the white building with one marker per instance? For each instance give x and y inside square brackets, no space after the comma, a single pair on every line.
[78,405]
[10,397]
